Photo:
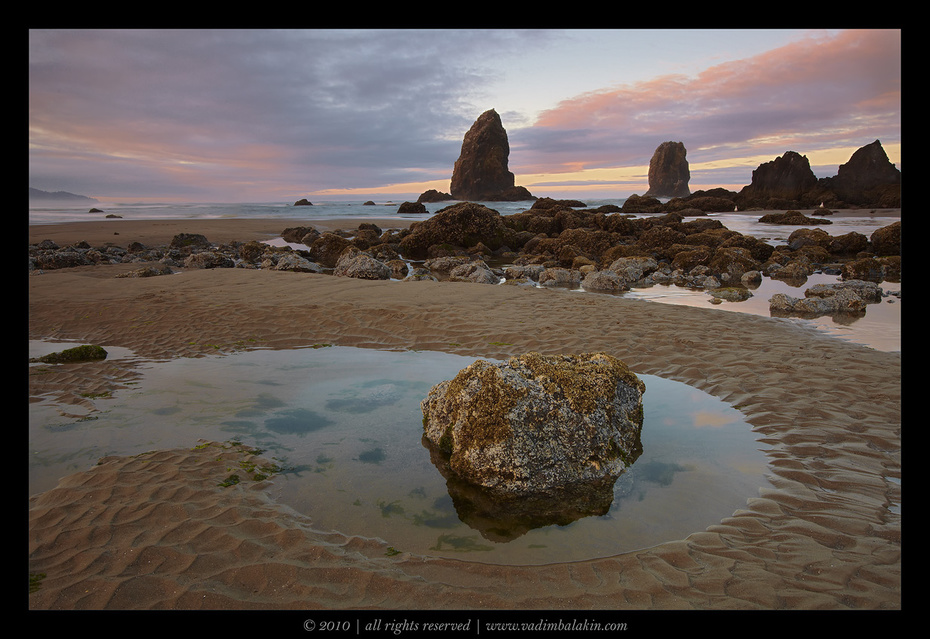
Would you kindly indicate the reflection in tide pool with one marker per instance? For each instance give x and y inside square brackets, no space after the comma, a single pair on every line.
[346,425]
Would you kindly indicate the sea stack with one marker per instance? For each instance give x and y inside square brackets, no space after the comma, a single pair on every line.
[481,173]
[668,171]
[868,178]
[787,177]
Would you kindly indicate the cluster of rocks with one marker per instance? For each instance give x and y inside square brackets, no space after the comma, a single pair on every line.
[867,180]
[553,243]
[849,298]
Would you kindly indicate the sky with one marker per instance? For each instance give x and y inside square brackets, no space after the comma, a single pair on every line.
[192,115]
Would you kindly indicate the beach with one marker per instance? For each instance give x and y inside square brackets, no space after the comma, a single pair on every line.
[157,531]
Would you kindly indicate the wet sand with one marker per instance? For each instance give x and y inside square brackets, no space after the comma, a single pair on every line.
[156,531]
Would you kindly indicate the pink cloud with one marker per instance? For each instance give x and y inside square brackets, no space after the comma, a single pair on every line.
[820,90]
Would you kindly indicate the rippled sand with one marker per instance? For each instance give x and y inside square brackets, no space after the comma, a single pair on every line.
[156,531]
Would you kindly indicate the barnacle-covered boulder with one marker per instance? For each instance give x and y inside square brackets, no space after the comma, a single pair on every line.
[537,425]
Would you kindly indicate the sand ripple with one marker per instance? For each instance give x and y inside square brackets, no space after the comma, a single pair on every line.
[156,531]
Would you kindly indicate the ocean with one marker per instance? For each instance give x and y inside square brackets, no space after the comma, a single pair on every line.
[53,214]
[746,223]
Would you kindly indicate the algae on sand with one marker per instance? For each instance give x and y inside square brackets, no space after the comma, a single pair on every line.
[85,353]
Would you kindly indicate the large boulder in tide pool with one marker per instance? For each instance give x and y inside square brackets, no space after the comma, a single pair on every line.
[537,425]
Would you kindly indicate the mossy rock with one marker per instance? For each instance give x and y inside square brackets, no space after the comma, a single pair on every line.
[85,353]
[537,423]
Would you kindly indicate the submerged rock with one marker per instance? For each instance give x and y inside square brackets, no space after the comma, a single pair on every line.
[537,425]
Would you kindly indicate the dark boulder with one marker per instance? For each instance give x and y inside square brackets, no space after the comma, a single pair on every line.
[296,234]
[85,353]
[792,218]
[432,195]
[887,239]
[546,203]
[412,207]
[189,241]
[642,204]
[327,248]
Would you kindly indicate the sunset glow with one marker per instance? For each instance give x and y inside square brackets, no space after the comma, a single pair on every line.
[189,115]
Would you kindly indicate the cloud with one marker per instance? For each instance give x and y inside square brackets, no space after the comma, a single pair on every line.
[817,92]
[278,114]
[301,109]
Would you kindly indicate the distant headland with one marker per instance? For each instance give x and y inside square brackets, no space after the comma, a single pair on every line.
[58,196]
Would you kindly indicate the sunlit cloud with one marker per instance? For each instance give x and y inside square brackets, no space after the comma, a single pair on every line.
[276,115]
[812,94]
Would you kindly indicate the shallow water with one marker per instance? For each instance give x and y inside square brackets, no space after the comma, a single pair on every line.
[346,425]
[878,328]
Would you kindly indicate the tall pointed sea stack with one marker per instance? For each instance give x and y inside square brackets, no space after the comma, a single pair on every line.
[481,173]
[669,172]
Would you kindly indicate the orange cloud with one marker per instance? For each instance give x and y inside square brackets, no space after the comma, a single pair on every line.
[854,73]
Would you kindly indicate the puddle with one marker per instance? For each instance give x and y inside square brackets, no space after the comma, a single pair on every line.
[347,426]
[879,328]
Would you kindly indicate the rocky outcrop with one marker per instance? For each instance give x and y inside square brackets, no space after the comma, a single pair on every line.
[844,298]
[887,239]
[668,171]
[868,178]
[461,225]
[300,235]
[537,424]
[785,179]
[432,195]
[327,248]
[412,208]
[792,218]
[481,172]
[189,241]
